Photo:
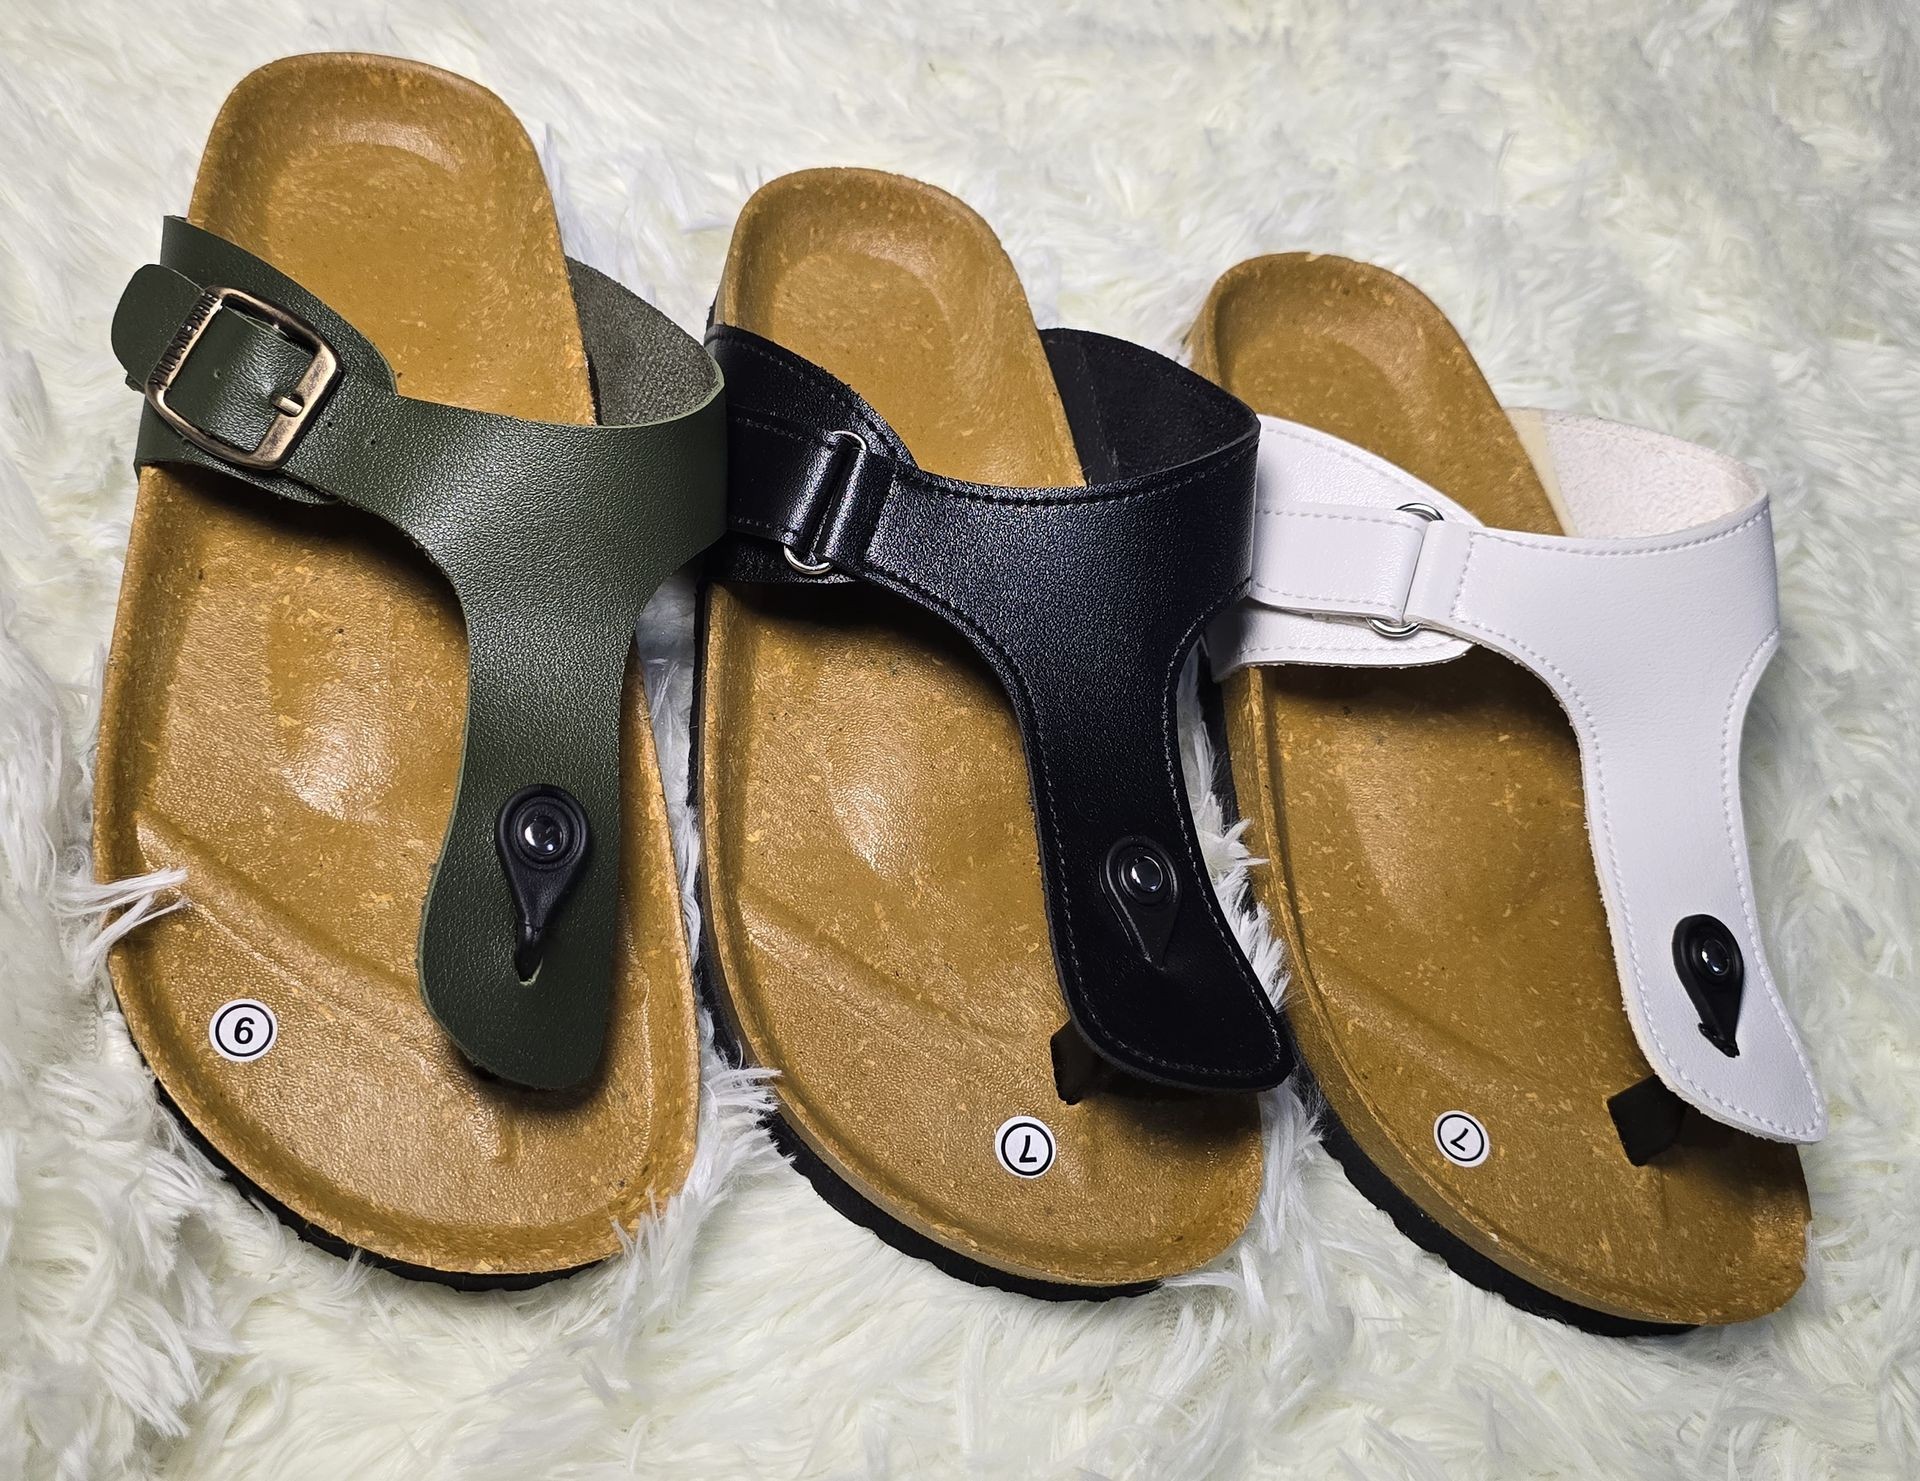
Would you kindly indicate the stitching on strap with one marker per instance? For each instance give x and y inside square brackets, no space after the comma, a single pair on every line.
[1570,695]
[1038,779]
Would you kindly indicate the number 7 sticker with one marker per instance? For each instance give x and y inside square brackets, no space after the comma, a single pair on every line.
[1024,1146]
[1461,1138]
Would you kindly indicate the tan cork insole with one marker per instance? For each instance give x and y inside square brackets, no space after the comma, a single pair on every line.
[283,714]
[1431,872]
[872,866]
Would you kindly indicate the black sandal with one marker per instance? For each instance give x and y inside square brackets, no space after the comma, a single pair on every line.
[956,544]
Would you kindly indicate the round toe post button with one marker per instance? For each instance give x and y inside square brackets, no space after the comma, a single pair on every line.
[1707,958]
[1143,874]
[542,832]
[1140,881]
[542,838]
[1461,1138]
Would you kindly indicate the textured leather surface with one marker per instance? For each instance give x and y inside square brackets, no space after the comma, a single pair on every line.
[553,537]
[1298,549]
[1085,601]
[1432,872]
[1651,642]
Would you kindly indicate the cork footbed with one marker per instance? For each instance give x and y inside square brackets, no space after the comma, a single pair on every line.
[283,713]
[1431,871]
[872,866]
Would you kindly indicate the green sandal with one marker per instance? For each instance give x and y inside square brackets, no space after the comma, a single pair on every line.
[432,998]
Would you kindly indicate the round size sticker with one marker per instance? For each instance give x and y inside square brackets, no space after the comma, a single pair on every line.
[242,1030]
[1024,1146]
[1461,1138]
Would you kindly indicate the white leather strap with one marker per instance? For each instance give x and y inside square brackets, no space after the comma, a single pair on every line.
[1652,638]
[1305,552]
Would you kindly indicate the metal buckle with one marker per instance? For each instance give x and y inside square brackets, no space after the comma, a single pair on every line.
[291,411]
[1405,629]
[820,568]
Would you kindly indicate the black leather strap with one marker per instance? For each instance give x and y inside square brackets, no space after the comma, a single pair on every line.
[552,537]
[1086,602]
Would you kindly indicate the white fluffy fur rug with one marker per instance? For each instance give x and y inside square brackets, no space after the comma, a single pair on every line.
[1698,216]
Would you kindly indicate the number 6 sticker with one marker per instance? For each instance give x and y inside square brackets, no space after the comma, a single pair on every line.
[242,1030]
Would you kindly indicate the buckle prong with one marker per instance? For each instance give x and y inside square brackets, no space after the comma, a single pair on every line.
[292,410]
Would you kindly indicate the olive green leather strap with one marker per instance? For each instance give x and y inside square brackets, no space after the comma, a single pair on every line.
[552,537]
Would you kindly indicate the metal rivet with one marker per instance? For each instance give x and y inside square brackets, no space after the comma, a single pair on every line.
[543,833]
[1713,957]
[1709,952]
[1143,875]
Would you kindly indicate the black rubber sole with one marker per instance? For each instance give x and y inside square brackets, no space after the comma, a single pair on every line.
[836,1191]
[1460,1257]
[847,1201]
[333,1244]
[1379,1189]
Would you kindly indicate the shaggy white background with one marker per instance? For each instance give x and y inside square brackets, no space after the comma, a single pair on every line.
[1699,217]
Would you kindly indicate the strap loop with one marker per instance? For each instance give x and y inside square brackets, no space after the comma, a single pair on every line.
[839,515]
